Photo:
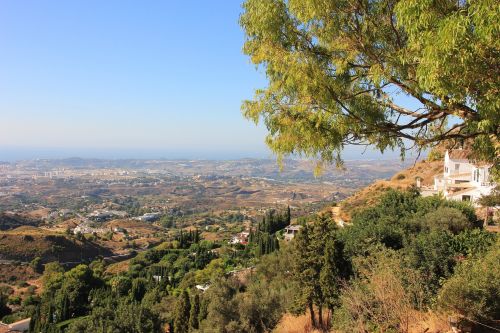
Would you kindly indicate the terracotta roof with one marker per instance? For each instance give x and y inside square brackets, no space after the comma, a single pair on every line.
[459,154]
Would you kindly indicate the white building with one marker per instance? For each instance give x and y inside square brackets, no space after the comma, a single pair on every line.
[149,217]
[241,238]
[291,231]
[463,179]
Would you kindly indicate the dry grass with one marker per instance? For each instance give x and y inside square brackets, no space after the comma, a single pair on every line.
[117,268]
[370,195]
[430,323]
[39,213]
[211,236]
[28,230]
[293,324]
[25,243]
[425,322]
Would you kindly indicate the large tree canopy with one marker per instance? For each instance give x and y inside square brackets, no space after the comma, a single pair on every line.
[343,71]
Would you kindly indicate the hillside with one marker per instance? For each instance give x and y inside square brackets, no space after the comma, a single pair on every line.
[11,221]
[25,243]
[369,195]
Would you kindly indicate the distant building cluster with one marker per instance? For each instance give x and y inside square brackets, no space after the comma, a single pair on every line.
[87,228]
[241,238]
[103,215]
[149,217]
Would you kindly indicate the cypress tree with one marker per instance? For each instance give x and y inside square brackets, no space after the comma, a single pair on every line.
[182,312]
[195,312]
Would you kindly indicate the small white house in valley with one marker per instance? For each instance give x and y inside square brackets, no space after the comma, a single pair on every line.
[462,178]
[291,231]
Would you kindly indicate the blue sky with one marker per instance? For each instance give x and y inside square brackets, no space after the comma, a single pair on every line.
[125,79]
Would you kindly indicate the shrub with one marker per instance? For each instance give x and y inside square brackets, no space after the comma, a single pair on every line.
[435,155]
[473,290]
[447,218]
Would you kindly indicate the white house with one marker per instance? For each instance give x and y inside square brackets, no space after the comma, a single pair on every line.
[291,231]
[462,178]
[241,238]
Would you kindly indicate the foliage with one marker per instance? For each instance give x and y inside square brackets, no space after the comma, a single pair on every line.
[491,200]
[320,268]
[475,288]
[446,218]
[336,67]
[186,239]
[4,309]
[379,299]
[264,237]
[125,317]
[194,312]
[36,264]
[182,313]
[372,275]
[258,307]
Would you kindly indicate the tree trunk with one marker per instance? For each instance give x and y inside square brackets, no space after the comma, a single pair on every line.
[320,318]
[313,318]
[329,318]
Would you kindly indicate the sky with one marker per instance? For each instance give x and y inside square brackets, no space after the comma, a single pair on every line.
[120,79]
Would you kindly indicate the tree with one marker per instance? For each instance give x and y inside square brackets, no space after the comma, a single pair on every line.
[121,285]
[138,289]
[336,270]
[446,218]
[336,67]
[36,264]
[4,309]
[195,312]
[320,268]
[52,276]
[182,311]
[76,286]
[491,200]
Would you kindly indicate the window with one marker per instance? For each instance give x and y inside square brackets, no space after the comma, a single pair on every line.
[457,167]
[465,197]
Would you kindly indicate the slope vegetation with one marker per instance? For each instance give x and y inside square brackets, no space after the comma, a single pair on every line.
[371,194]
[25,243]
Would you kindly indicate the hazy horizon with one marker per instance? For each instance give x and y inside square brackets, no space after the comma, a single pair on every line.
[78,81]
[12,154]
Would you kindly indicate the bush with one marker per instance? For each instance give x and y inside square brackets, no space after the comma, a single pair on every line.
[435,155]
[474,289]
[15,300]
[22,284]
[447,218]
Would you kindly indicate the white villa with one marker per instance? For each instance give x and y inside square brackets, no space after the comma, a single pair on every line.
[463,179]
